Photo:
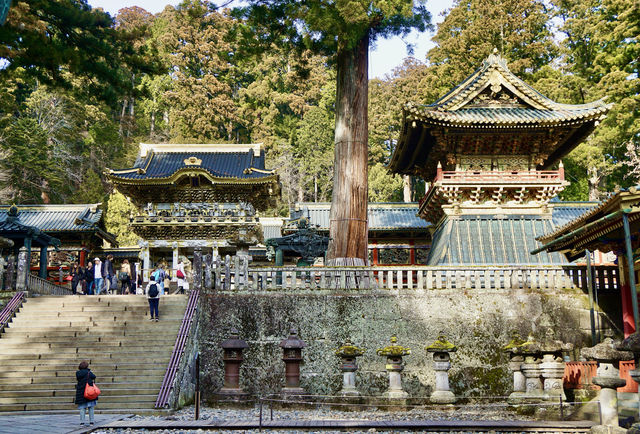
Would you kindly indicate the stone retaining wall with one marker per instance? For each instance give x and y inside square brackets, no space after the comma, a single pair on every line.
[479,322]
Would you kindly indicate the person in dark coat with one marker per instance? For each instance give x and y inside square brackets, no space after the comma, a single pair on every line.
[84,375]
[77,274]
[88,277]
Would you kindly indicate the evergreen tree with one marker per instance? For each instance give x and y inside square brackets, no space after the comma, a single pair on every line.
[342,31]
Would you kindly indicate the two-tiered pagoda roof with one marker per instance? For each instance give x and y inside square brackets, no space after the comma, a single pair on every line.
[492,112]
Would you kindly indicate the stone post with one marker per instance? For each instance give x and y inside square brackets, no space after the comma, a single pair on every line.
[208,283]
[44,261]
[394,366]
[11,273]
[217,272]
[441,361]
[227,273]
[175,258]
[2,273]
[292,357]
[23,269]
[608,377]
[197,269]
[348,354]
[146,261]
[232,359]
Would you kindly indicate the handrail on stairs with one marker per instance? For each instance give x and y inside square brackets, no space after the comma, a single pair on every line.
[10,309]
[178,350]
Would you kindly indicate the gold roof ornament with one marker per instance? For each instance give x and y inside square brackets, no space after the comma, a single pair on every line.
[350,350]
[441,344]
[192,161]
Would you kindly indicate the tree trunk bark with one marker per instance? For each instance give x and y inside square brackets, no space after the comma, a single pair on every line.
[594,181]
[406,188]
[348,226]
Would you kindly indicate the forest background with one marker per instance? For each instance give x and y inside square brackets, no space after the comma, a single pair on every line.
[80,89]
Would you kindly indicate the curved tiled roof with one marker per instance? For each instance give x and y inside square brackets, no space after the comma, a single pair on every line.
[56,218]
[164,165]
[381,216]
[505,116]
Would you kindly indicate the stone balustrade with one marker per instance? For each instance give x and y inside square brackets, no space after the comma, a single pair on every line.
[235,274]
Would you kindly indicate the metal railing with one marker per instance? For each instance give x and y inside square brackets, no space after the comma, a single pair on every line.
[178,349]
[231,277]
[41,286]
[10,309]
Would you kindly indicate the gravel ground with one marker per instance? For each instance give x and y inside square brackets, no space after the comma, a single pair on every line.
[469,412]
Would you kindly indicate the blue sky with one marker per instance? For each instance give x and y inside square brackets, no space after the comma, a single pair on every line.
[385,56]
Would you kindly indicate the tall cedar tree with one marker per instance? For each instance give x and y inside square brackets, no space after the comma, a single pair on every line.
[341,30]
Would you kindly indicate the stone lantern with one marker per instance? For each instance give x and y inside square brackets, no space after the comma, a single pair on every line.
[348,354]
[608,377]
[292,356]
[516,358]
[552,365]
[394,354]
[441,360]
[232,359]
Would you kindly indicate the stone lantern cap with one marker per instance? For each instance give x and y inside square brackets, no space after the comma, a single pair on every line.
[631,343]
[441,345]
[293,341]
[234,342]
[394,350]
[516,343]
[605,352]
[350,350]
[549,345]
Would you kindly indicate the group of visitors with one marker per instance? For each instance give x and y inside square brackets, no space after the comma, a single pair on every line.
[99,276]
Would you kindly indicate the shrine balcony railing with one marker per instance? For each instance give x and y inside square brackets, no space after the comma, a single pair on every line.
[500,176]
[605,278]
[148,219]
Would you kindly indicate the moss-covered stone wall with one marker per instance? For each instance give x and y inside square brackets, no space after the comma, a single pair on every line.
[478,322]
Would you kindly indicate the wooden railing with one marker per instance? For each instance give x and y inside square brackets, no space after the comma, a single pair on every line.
[40,286]
[238,277]
[579,375]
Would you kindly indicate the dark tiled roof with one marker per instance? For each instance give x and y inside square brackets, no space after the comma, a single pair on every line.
[232,165]
[56,218]
[382,216]
[564,212]
[484,240]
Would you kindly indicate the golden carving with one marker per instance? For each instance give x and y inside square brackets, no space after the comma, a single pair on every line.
[192,161]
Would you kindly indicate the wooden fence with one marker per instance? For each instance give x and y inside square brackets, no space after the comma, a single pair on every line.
[236,274]
[579,375]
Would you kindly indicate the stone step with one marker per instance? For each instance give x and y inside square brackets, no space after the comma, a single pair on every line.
[96,322]
[70,385]
[87,353]
[39,364]
[130,332]
[110,405]
[110,340]
[105,369]
[104,398]
[153,376]
[106,389]
[107,345]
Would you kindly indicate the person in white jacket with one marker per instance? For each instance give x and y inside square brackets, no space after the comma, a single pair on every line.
[181,274]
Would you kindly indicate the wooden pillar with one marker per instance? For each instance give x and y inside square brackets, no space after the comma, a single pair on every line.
[412,252]
[374,253]
[44,260]
[83,256]
[631,270]
[628,323]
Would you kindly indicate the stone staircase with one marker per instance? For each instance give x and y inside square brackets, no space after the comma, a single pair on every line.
[43,345]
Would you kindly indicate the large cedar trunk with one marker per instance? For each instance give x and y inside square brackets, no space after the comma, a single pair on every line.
[348,227]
